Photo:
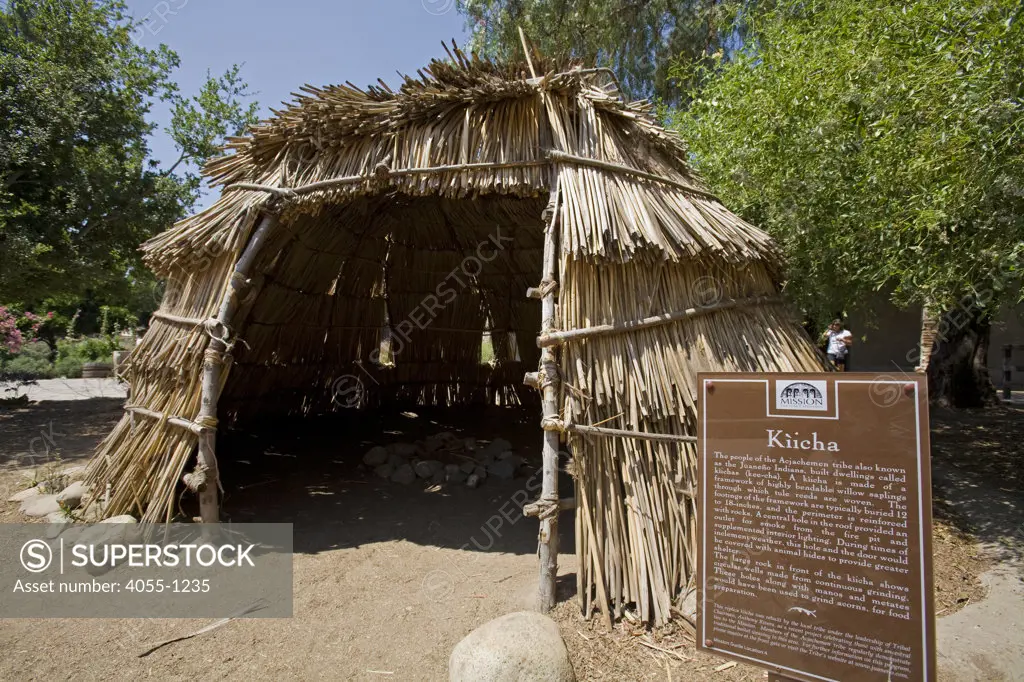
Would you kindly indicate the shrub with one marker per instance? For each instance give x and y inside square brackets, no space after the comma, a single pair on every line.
[97,349]
[73,353]
[68,367]
[116,318]
[33,361]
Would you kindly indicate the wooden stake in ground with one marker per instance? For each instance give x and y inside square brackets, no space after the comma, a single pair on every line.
[216,358]
[548,537]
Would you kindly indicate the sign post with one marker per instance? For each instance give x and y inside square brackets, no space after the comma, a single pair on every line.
[814,551]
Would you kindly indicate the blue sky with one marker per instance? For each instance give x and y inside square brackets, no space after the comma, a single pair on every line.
[284,44]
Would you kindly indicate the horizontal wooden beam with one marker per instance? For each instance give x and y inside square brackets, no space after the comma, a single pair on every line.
[620,433]
[174,421]
[382,173]
[177,319]
[556,338]
[564,157]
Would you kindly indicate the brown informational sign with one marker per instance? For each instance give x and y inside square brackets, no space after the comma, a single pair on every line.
[814,551]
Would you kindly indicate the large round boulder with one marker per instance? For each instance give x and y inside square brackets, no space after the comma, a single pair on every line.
[520,647]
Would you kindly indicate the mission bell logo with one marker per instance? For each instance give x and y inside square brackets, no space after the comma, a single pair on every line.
[801,395]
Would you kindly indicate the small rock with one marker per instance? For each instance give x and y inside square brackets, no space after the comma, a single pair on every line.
[53,485]
[123,529]
[25,494]
[486,459]
[403,449]
[375,456]
[396,460]
[123,518]
[451,468]
[456,476]
[384,470]
[72,532]
[497,446]
[428,467]
[515,460]
[519,646]
[74,473]
[59,522]
[404,475]
[40,505]
[468,467]
[473,481]
[438,478]
[480,472]
[502,469]
[71,497]
[93,513]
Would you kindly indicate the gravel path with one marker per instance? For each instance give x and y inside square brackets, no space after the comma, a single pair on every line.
[985,640]
[76,389]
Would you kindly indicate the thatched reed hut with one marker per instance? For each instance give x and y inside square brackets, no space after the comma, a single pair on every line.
[423,215]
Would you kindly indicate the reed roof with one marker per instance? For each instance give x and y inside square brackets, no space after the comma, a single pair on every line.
[487,125]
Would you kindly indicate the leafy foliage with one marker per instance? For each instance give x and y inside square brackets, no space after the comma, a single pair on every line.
[881,143]
[78,189]
[33,361]
[638,39]
[200,123]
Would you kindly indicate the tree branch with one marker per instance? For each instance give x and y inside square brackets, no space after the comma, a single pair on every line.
[184,155]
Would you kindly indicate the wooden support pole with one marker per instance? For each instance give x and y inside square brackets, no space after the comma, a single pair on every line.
[549,383]
[216,358]
[526,51]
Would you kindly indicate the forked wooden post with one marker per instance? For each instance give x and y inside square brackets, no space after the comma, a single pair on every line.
[549,383]
[216,358]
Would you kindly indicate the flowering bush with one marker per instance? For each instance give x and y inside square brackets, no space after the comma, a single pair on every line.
[17,330]
[11,338]
[35,346]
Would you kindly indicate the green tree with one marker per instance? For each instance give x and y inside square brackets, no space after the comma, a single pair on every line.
[638,39]
[200,124]
[79,190]
[883,145]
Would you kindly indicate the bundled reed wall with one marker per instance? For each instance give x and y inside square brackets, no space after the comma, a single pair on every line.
[636,523]
[142,460]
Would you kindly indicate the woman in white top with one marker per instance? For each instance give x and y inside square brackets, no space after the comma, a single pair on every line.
[839,341]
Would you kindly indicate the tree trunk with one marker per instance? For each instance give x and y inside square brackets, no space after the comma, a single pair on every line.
[958,365]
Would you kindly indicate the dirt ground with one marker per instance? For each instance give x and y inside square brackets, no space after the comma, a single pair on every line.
[387,578]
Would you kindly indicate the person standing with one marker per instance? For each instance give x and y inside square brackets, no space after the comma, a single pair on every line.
[837,342]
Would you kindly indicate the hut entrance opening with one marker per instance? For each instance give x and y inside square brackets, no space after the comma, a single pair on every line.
[391,300]
[387,320]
